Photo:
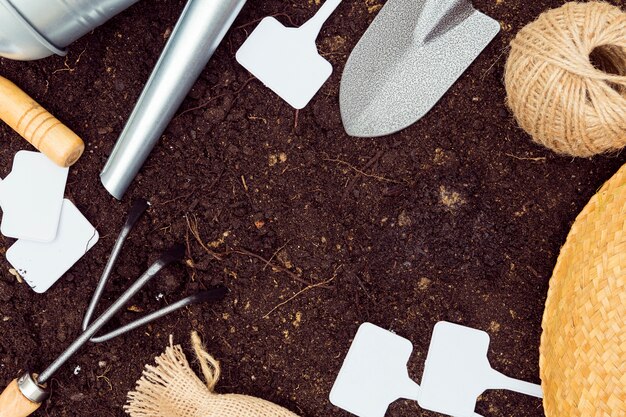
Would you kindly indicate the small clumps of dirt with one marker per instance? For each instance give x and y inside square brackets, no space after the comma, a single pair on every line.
[404,220]
[452,200]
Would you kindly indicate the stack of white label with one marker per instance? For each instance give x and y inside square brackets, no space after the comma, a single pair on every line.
[52,233]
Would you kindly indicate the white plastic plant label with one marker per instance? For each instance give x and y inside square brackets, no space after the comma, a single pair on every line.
[374,373]
[42,264]
[286,59]
[31,197]
[457,372]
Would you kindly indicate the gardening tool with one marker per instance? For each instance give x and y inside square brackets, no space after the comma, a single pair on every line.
[24,395]
[199,30]
[33,29]
[457,372]
[408,58]
[42,264]
[286,60]
[31,197]
[37,126]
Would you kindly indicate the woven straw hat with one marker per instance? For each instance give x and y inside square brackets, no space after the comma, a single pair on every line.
[583,345]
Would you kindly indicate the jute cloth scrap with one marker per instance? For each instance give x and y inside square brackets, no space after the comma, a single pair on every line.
[172,389]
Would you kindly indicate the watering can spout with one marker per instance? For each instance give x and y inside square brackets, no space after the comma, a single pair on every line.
[199,30]
[34,29]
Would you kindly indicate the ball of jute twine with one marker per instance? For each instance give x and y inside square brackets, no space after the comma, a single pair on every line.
[566,79]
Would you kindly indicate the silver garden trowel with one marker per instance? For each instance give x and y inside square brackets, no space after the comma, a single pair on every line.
[411,54]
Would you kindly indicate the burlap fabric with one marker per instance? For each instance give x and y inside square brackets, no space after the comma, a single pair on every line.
[583,344]
[172,389]
[566,79]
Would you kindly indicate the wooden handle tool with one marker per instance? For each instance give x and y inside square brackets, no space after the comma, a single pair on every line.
[37,126]
[14,404]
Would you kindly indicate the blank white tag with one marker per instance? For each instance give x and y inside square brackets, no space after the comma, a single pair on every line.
[374,373]
[286,59]
[31,197]
[457,371]
[42,264]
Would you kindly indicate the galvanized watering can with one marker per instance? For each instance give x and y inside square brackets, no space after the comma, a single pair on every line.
[34,29]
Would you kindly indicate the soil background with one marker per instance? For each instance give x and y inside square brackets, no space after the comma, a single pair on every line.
[459,217]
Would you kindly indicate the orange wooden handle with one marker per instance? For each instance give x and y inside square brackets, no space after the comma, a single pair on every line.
[37,126]
[14,404]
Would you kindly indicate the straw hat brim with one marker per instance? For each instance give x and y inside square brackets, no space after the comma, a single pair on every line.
[583,344]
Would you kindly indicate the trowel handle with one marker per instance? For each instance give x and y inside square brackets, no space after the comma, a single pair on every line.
[14,404]
[37,126]
[314,25]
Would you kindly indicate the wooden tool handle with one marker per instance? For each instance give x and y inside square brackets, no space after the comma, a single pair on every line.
[37,126]
[14,404]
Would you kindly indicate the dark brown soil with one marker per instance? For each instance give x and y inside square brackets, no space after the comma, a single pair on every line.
[459,218]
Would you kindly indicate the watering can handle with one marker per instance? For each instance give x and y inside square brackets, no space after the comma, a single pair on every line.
[14,404]
[37,126]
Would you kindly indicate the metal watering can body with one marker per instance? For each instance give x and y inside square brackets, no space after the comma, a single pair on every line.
[34,29]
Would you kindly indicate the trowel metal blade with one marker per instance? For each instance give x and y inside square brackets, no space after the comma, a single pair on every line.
[411,54]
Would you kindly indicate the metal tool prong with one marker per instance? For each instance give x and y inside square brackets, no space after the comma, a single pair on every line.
[137,209]
[213,294]
[176,253]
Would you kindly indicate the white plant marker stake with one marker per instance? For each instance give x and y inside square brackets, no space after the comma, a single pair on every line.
[42,264]
[286,59]
[457,371]
[374,373]
[31,197]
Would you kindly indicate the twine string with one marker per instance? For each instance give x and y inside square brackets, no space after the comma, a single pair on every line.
[209,365]
[566,79]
